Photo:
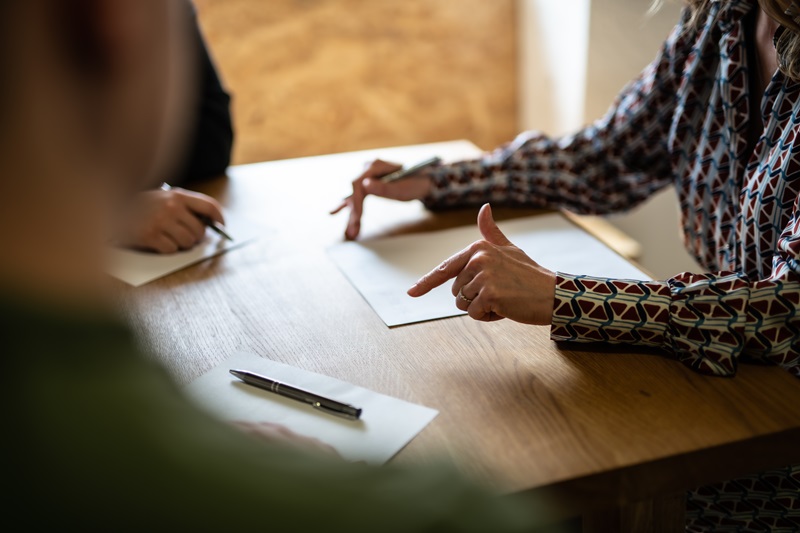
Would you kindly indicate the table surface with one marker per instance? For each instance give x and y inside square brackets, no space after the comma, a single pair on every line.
[589,425]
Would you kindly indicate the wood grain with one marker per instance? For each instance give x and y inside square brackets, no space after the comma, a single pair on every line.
[322,76]
[587,426]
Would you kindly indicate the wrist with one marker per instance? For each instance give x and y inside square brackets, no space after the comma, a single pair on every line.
[435,178]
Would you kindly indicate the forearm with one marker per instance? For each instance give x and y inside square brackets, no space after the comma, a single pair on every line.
[596,171]
[612,165]
[707,321]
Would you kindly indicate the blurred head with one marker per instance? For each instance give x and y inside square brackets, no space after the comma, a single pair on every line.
[92,97]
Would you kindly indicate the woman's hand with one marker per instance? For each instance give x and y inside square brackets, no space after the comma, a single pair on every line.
[412,188]
[495,279]
[165,221]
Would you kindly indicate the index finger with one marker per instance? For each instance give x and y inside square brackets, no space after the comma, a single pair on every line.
[446,270]
[356,202]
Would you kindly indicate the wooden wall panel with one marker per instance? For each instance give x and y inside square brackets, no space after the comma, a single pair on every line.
[321,76]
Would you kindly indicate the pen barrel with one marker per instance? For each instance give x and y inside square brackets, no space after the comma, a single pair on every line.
[408,172]
[316,401]
[319,402]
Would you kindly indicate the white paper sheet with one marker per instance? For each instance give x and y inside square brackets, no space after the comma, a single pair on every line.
[137,268]
[383,270]
[387,424]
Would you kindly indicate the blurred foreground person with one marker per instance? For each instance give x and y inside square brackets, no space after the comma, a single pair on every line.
[97,436]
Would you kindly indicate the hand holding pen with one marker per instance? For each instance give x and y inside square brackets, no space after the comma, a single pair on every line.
[168,220]
[215,225]
[388,180]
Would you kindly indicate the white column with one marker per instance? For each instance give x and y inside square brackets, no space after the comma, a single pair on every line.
[554,49]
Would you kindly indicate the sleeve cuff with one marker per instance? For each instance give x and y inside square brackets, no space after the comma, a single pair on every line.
[589,309]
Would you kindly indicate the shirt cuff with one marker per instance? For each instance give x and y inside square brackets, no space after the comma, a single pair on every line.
[589,309]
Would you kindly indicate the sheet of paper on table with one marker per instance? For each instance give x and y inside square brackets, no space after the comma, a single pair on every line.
[387,424]
[382,270]
[138,268]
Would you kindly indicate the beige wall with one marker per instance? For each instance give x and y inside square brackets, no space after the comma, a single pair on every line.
[553,54]
[320,76]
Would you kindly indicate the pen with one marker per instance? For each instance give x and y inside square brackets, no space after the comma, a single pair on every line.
[410,171]
[214,226]
[332,407]
[211,224]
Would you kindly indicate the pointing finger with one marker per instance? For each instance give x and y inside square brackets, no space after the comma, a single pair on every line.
[449,269]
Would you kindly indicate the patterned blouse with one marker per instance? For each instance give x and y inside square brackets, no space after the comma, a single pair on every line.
[685,121]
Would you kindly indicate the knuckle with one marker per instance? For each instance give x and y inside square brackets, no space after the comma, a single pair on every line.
[475,247]
[489,294]
[479,261]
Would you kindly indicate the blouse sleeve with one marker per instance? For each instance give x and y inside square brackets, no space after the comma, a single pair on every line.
[612,165]
[707,321]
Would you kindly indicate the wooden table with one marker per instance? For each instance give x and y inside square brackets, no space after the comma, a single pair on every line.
[615,435]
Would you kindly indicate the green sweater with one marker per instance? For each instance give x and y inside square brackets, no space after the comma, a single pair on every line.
[98,436]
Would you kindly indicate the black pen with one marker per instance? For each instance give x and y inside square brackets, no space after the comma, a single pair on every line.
[332,407]
[410,171]
[214,226]
[208,221]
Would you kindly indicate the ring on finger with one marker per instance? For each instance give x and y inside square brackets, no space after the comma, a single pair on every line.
[461,296]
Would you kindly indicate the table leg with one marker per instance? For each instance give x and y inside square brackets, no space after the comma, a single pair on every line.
[666,514]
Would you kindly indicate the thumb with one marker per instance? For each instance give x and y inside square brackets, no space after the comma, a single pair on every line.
[489,228]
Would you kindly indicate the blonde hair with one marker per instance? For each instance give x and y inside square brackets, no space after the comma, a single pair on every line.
[786,12]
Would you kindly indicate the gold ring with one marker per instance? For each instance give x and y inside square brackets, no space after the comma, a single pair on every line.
[461,295]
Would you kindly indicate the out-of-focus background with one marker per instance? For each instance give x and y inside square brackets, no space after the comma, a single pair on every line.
[320,76]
